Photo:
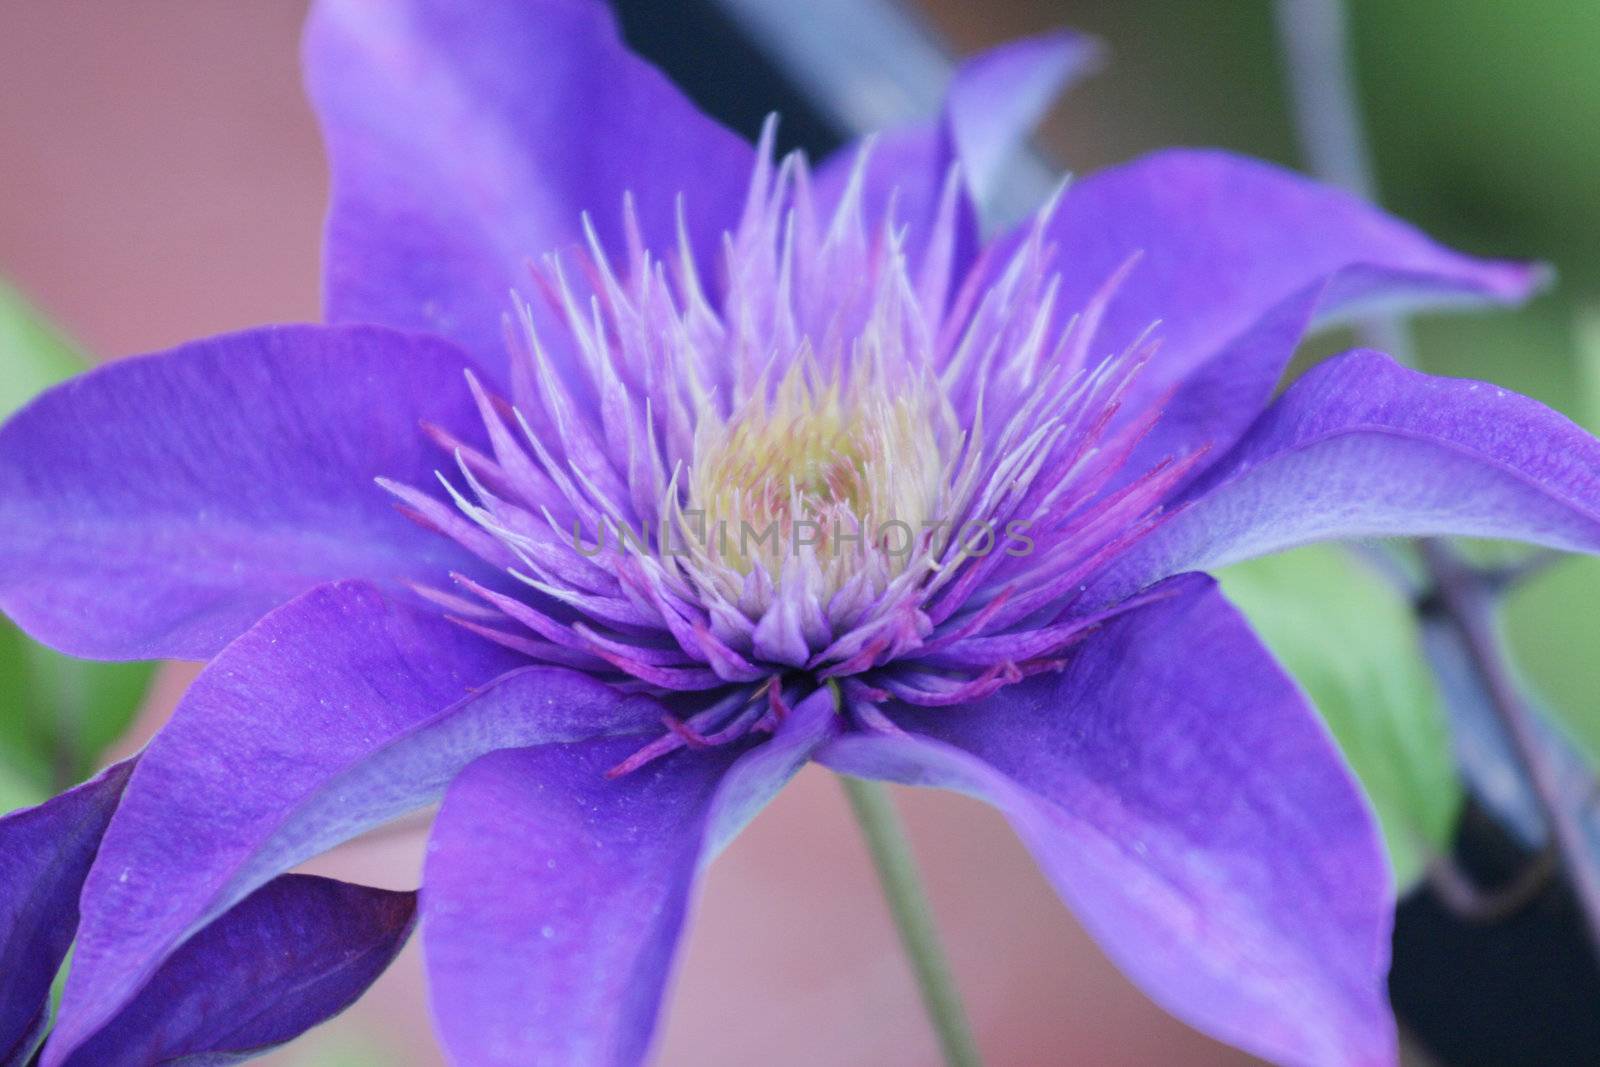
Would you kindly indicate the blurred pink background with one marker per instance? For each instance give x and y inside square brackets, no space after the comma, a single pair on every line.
[161,178]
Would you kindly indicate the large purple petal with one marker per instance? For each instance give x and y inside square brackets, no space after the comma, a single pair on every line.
[1222,241]
[45,852]
[158,506]
[1187,803]
[293,954]
[467,138]
[1362,447]
[334,714]
[554,896]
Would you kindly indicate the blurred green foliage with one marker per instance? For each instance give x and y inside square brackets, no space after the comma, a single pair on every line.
[65,712]
[1484,118]
[343,1045]
[1350,639]
[58,715]
[1554,620]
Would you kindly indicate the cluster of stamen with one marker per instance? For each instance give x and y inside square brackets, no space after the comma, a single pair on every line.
[848,465]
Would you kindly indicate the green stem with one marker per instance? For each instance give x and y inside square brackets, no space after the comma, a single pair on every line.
[902,888]
[1315,38]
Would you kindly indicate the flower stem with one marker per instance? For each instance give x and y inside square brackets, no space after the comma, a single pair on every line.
[1470,603]
[1314,37]
[902,888]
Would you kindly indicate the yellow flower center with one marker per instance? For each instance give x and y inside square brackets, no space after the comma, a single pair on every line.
[832,473]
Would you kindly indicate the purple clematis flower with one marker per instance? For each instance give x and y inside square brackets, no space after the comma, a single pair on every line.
[745,465]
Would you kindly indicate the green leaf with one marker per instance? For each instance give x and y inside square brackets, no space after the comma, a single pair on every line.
[13,682]
[73,709]
[18,789]
[1351,642]
[33,354]
[60,714]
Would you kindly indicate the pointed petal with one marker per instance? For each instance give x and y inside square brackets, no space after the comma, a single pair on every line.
[45,852]
[993,104]
[1362,447]
[1187,803]
[465,140]
[760,773]
[998,97]
[156,507]
[1224,240]
[555,896]
[293,954]
[336,713]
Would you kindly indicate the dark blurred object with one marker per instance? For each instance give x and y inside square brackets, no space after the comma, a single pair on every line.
[1522,989]
[716,62]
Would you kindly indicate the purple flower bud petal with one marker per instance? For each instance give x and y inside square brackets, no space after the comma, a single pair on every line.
[45,852]
[291,955]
